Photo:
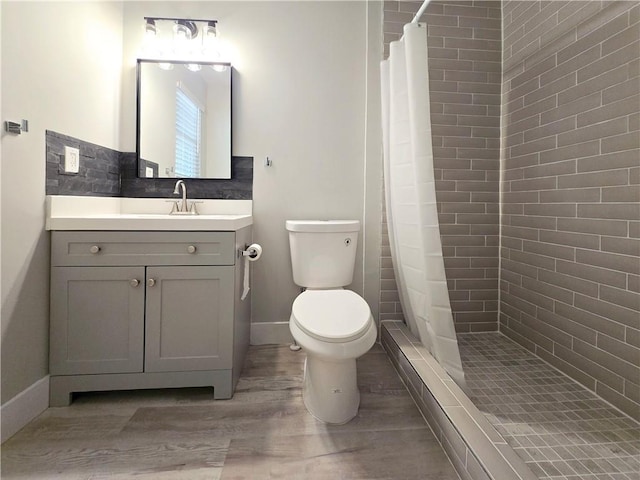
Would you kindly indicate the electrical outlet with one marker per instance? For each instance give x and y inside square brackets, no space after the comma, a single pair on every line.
[71,159]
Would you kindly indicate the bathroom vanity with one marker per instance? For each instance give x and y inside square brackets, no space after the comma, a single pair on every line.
[134,306]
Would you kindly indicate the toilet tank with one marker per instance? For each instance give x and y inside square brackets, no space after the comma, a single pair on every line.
[323,252]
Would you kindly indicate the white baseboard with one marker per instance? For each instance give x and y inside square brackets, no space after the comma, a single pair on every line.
[23,408]
[269,333]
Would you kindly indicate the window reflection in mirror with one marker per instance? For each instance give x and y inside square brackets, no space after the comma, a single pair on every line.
[184,120]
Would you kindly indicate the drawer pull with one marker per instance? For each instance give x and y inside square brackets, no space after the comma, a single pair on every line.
[134,282]
[94,249]
[151,282]
[191,249]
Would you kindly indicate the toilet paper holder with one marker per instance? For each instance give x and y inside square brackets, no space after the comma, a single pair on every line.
[249,251]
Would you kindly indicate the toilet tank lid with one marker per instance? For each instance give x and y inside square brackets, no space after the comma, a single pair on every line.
[329,226]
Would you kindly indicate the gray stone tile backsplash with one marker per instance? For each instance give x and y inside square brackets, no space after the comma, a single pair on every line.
[99,168]
[107,172]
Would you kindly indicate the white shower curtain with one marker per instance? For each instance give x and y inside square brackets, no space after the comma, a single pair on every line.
[412,216]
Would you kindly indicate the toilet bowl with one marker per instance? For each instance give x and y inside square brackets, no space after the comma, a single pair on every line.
[334,327]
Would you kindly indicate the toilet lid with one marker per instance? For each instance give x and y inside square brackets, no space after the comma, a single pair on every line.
[331,315]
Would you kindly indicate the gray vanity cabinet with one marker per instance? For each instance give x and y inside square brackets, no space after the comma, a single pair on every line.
[136,310]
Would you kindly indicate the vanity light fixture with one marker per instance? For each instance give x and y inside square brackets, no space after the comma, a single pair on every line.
[194,67]
[184,39]
[185,27]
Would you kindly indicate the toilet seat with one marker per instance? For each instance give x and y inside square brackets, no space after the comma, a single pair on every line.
[334,316]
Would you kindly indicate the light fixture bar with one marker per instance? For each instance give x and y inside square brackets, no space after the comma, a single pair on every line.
[180,19]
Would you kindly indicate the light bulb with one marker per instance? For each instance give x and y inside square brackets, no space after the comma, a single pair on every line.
[165,66]
[194,67]
[219,67]
[150,29]
[182,35]
[185,29]
[212,31]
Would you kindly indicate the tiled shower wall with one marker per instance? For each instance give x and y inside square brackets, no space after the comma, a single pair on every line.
[570,204]
[464,39]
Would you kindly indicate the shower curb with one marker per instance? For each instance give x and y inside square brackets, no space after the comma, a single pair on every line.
[475,448]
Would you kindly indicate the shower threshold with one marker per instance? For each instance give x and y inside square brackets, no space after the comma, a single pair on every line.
[504,434]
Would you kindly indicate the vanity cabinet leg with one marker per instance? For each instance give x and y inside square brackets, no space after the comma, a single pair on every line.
[222,392]
[222,384]
[59,394]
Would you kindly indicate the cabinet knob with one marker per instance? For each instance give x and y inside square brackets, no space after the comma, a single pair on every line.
[94,249]
[191,249]
[151,282]
[134,282]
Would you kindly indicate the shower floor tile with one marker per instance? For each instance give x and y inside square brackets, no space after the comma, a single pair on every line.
[559,428]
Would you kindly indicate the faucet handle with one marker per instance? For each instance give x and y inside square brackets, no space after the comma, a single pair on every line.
[193,207]
[175,206]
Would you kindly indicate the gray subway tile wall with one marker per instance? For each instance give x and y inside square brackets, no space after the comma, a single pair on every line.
[566,148]
[464,39]
[570,252]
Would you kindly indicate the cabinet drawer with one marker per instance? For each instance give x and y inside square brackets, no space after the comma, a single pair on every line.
[142,248]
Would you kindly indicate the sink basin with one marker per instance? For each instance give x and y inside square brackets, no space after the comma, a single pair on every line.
[104,213]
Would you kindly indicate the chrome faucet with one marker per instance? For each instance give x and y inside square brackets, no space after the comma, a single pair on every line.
[182,207]
[176,191]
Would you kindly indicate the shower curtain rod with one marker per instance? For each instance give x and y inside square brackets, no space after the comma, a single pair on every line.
[420,11]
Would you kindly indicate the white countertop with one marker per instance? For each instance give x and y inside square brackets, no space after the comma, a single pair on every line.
[115,213]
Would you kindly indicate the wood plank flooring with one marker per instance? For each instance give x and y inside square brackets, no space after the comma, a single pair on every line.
[263,432]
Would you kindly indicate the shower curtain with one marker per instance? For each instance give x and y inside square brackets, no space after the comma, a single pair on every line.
[412,217]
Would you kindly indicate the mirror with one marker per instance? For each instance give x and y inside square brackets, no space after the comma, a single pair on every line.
[184,119]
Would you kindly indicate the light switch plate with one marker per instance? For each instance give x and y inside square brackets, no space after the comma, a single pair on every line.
[71,160]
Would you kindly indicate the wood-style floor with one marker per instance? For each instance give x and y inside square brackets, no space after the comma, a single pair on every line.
[264,432]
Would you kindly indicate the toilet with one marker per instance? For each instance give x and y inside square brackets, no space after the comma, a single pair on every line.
[334,326]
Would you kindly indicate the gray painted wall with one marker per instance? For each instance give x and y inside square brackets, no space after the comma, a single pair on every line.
[299,98]
[302,103]
[83,97]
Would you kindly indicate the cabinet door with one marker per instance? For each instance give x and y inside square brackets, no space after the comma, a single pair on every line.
[189,322]
[97,320]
